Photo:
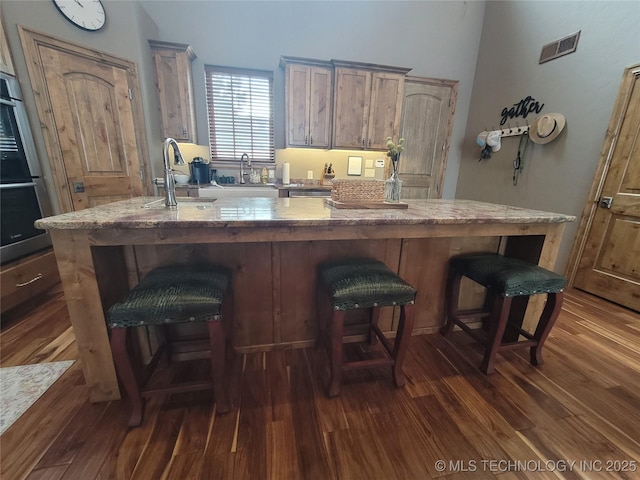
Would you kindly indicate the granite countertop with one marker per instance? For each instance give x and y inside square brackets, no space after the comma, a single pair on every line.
[150,212]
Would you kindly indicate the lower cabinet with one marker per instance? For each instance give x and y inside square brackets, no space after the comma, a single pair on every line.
[25,278]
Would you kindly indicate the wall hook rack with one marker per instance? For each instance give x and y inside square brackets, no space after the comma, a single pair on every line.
[513,131]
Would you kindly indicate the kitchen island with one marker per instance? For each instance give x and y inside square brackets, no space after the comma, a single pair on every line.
[272,245]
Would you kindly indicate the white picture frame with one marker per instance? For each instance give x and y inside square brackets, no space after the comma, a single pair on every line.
[354,166]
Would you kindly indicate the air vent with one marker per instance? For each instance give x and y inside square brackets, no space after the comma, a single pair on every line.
[560,47]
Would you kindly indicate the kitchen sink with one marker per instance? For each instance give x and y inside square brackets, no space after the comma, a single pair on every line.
[183,202]
[236,191]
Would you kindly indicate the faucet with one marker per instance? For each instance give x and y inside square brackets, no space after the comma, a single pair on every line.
[169,181]
[242,174]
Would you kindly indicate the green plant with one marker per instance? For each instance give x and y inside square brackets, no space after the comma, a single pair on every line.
[394,151]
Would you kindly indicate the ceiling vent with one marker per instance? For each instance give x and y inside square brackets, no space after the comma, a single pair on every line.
[559,48]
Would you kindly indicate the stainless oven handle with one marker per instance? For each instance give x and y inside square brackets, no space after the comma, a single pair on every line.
[16,185]
[4,101]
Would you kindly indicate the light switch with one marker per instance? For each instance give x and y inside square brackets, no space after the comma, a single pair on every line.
[309,174]
[370,172]
[368,163]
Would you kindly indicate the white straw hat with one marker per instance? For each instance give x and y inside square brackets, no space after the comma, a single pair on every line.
[546,128]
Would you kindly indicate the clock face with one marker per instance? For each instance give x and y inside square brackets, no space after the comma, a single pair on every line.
[86,14]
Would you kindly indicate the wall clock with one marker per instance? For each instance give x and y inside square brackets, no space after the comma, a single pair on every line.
[86,14]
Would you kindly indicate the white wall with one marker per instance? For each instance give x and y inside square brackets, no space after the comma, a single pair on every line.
[582,86]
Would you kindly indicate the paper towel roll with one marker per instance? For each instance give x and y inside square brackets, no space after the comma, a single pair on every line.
[286,173]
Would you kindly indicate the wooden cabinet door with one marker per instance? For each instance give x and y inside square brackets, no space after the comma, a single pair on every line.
[609,264]
[6,64]
[298,85]
[387,90]
[90,114]
[308,106]
[320,89]
[351,108]
[175,91]
[427,120]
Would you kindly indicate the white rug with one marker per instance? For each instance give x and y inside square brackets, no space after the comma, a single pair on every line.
[21,386]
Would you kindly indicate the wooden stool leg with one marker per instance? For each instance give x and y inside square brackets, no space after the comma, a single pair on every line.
[499,319]
[451,296]
[405,327]
[321,314]
[547,320]
[127,376]
[374,317]
[226,312]
[489,302]
[217,343]
[337,323]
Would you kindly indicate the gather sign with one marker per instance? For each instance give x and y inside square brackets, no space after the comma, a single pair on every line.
[521,109]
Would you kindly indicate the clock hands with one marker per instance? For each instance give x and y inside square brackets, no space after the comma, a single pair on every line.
[78,2]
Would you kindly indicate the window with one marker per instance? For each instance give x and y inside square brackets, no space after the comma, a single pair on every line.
[240,110]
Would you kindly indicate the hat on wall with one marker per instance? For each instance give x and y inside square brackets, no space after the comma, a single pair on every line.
[493,140]
[481,140]
[546,128]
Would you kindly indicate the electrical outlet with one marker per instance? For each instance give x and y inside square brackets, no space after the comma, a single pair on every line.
[309,174]
[368,163]
[370,172]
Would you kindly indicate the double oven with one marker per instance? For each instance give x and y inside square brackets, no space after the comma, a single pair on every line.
[23,197]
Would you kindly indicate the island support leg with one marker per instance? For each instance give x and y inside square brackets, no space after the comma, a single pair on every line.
[82,294]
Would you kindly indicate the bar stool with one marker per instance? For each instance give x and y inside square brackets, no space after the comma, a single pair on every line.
[167,296]
[363,283]
[504,278]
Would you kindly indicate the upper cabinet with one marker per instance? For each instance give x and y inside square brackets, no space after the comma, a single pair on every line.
[367,105]
[175,90]
[308,96]
[6,65]
[341,104]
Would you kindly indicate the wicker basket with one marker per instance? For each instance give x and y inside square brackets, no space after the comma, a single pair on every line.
[369,191]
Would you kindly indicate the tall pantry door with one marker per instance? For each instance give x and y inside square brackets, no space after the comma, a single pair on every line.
[88,115]
[427,119]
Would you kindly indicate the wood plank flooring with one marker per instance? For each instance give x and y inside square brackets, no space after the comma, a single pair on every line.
[582,405]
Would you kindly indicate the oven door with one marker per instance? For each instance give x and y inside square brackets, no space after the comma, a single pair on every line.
[23,194]
[20,209]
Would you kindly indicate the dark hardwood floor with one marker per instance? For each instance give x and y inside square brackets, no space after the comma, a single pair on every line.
[582,406]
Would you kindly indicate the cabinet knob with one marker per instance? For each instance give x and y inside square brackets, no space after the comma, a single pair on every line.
[311,139]
[306,140]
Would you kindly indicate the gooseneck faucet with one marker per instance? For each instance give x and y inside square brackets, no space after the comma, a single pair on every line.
[242,174]
[169,181]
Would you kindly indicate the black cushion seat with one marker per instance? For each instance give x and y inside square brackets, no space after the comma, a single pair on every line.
[510,277]
[364,283]
[173,295]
